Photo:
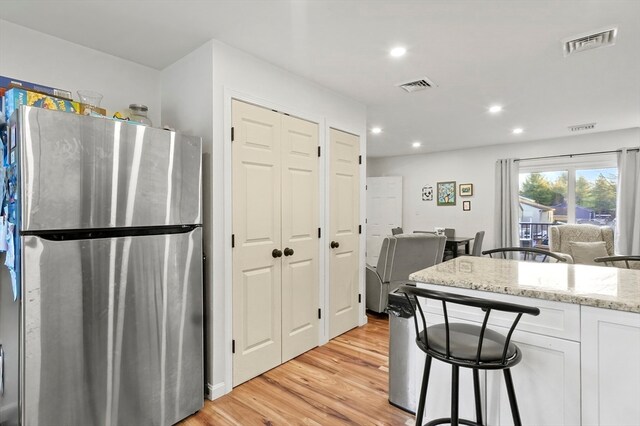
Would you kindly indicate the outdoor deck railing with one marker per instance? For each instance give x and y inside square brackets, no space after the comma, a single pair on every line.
[535,234]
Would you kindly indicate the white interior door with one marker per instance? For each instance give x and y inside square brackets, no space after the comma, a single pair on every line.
[384,212]
[275,232]
[300,269]
[343,231]
[257,233]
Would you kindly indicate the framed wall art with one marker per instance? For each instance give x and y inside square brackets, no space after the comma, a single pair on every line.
[427,193]
[466,206]
[466,189]
[447,193]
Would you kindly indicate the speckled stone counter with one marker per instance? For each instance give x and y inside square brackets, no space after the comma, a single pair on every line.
[598,286]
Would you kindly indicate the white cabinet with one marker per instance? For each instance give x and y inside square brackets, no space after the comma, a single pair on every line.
[546,382]
[610,367]
[438,402]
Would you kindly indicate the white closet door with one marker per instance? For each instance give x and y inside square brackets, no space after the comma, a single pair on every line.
[257,233]
[300,270]
[343,231]
[384,212]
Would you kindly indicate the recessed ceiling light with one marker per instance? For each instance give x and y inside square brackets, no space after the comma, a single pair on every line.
[376,130]
[416,144]
[396,52]
[495,109]
[517,130]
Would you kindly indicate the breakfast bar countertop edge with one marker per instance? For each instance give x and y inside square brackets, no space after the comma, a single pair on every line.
[585,285]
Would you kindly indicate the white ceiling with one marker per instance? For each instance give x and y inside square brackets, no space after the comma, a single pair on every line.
[477,52]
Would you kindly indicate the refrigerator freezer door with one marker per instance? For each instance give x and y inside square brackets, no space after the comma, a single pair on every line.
[81,172]
[113,330]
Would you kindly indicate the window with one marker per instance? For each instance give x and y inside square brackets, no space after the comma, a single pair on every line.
[565,190]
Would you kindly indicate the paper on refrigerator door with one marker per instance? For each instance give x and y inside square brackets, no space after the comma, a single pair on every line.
[10,260]
[3,175]
[3,234]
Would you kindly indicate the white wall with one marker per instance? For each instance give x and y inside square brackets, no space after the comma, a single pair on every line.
[477,166]
[29,55]
[189,82]
[210,76]
[187,105]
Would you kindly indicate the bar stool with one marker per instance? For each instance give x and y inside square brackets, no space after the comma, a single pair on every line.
[526,253]
[611,260]
[468,346]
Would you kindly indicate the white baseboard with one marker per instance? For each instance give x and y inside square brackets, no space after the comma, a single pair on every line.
[215,391]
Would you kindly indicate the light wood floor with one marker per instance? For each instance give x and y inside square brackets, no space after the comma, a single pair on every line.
[342,382]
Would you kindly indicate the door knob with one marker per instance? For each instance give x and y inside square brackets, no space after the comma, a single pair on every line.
[335,244]
[276,253]
[288,251]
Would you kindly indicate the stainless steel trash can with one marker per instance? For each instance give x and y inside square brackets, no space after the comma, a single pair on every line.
[403,353]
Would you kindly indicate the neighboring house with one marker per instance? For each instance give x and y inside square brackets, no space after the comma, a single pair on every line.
[534,223]
[583,214]
[530,211]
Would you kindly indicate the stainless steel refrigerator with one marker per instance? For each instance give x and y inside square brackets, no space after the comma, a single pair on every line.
[107,328]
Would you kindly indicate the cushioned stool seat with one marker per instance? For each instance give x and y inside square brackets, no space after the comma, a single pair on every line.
[463,342]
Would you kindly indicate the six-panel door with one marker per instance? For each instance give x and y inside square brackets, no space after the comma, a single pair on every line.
[344,239]
[257,298]
[300,242]
[275,227]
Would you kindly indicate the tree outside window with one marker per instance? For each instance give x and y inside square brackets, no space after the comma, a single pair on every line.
[546,188]
[596,190]
[594,194]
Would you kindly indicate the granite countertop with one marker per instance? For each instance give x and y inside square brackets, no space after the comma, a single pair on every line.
[598,286]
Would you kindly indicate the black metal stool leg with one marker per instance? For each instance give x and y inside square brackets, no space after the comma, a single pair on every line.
[455,374]
[476,392]
[512,398]
[423,391]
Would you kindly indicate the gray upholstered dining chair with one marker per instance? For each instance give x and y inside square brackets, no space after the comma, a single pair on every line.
[400,256]
[477,244]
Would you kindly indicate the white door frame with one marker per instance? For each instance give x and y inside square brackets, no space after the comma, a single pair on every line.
[323,126]
[333,124]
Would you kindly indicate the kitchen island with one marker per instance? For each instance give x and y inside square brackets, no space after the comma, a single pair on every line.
[581,355]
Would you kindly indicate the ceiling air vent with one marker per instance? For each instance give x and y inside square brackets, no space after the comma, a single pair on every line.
[414,86]
[581,127]
[590,41]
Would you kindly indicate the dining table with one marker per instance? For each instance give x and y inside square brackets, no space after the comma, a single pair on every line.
[454,242]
